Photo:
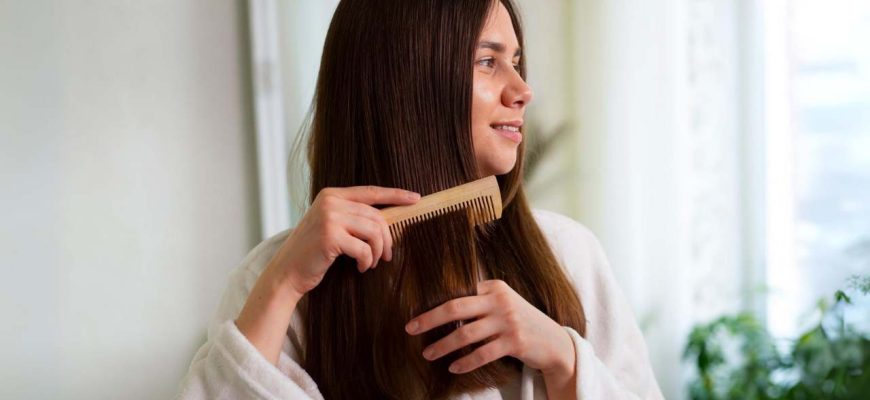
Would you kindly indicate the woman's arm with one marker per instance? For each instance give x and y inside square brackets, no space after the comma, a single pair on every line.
[340,221]
[244,357]
[229,366]
[267,312]
[561,382]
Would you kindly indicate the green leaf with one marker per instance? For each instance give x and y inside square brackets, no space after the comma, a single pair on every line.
[839,296]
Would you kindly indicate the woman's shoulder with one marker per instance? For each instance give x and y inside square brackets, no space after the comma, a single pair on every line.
[556,224]
[575,246]
[243,277]
[257,259]
[564,232]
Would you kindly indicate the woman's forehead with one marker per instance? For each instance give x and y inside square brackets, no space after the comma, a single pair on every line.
[498,29]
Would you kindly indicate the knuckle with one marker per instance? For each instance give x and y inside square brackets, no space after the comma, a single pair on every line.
[325,192]
[453,307]
[512,318]
[331,220]
[483,354]
[329,234]
[519,339]
[465,333]
[376,232]
[502,298]
[328,217]
[330,247]
[328,201]
[365,249]
[370,212]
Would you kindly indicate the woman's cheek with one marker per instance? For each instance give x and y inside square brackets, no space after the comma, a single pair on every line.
[485,95]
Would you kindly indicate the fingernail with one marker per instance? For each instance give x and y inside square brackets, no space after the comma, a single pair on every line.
[412,327]
[413,196]
[427,354]
[454,368]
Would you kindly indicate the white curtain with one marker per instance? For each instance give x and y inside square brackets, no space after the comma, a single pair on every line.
[662,173]
[663,161]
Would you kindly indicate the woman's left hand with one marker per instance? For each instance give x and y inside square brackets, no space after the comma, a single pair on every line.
[519,330]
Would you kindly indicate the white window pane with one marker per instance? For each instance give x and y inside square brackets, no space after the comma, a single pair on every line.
[829,99]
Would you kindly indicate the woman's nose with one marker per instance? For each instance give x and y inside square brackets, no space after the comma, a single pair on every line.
[517,93]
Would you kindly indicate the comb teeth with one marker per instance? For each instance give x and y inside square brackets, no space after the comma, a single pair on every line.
[481,199]
[480,210]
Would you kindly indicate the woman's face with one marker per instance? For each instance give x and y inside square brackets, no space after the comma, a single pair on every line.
[500,96]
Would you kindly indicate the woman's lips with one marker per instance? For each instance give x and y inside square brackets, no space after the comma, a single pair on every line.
[516,137]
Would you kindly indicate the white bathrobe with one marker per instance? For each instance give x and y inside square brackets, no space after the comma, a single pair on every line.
[611,362]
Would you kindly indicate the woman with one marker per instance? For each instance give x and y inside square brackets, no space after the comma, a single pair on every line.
[421,95]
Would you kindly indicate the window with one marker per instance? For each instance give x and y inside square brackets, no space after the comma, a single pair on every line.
[817,111]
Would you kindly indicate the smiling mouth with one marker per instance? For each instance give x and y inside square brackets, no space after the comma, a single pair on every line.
[511,128]
[510,132]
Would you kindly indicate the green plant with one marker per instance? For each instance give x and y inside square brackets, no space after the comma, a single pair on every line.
[736,358]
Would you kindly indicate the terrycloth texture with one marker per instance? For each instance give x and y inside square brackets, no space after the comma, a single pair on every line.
[612,360]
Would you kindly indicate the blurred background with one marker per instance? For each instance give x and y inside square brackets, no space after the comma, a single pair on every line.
[720,150]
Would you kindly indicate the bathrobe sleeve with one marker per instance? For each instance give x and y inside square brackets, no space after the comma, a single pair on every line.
[228,366]
[611,360]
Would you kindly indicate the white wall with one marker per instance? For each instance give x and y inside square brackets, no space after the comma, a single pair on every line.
[128,186]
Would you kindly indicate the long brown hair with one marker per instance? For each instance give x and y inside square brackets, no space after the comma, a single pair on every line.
[392,107]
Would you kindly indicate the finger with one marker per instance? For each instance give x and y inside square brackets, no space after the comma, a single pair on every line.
[375,195]
[463,336]
[356,248]
[367,211]
[481,356]
[369,231]
[491,285]
[360,209]
[461,308]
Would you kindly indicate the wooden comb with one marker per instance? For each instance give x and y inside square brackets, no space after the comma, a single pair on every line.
[482,197]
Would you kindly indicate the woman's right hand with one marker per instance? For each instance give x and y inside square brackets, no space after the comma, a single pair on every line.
[340,221]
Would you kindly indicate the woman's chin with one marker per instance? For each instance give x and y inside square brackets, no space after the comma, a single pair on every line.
[499,169]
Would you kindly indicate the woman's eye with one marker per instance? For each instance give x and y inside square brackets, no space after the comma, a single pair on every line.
[490,62]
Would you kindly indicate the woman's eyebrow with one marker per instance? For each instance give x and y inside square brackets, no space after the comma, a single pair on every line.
[498,47]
